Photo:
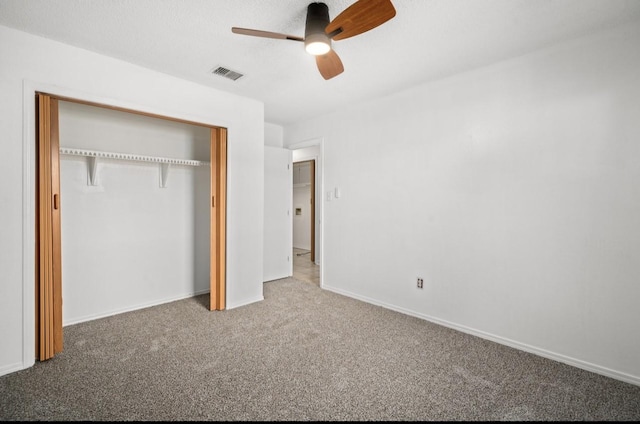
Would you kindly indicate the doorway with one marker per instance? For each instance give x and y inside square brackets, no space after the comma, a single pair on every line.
[304,222]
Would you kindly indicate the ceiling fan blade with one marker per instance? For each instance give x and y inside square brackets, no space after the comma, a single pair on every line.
[265,34]
[329,65]
[360,17]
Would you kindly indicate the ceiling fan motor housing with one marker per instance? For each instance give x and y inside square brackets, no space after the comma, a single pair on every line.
[317,21]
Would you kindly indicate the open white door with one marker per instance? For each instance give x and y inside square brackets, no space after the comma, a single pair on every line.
[278,229]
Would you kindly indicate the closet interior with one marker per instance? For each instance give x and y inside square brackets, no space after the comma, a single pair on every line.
[135,223]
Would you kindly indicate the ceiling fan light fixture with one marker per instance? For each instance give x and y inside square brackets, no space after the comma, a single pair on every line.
[317,44]
[316,41]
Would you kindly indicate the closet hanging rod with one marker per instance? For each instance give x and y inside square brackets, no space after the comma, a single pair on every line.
[129,156]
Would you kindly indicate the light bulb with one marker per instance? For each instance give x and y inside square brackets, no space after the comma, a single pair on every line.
[317,48]
[317,43]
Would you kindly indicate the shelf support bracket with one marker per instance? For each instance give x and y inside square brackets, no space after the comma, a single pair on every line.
[164,174]
[92,167]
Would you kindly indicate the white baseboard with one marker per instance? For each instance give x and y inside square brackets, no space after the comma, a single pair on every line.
[8,369]
[134,307]
[245,302]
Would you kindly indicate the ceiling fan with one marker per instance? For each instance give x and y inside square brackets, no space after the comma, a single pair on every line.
[360,17]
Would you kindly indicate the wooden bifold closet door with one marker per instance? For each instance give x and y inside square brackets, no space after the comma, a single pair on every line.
[49,337]
[48,244]
[218,218]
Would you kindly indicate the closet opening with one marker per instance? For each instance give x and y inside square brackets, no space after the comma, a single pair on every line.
[151,200]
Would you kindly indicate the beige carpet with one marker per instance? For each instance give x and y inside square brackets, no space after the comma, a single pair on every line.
[301,354]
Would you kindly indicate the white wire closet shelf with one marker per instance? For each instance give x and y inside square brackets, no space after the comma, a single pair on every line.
[93,155]
[129,156]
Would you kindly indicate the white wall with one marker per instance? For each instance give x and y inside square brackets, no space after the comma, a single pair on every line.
[31,63]
[127,242]
[273,135]
[513,190]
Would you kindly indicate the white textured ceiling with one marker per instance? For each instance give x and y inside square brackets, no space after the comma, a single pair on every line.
[428,39]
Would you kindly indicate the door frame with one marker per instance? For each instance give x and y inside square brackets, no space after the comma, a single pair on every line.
[312,171]
[47,210]
[319,209]
[312,192]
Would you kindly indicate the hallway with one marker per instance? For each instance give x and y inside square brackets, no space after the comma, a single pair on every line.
[303,268]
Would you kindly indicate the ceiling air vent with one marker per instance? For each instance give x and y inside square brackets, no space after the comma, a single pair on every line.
[227,73]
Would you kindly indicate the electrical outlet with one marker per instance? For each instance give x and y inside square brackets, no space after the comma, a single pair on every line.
[420,282]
